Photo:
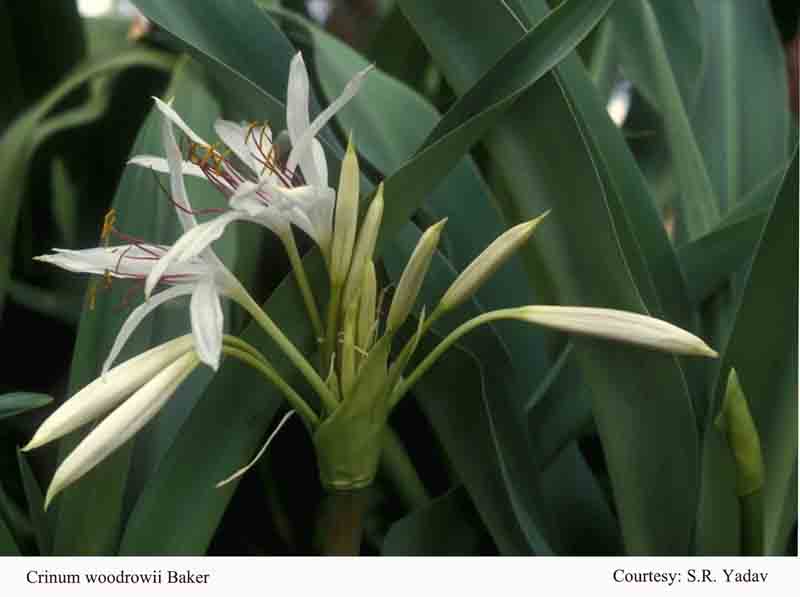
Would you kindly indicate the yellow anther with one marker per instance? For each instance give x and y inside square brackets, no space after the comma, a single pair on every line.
[108,225]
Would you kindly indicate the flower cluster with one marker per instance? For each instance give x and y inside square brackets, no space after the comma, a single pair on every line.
[280,181]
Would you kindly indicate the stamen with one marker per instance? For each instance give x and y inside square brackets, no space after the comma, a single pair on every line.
[108,226]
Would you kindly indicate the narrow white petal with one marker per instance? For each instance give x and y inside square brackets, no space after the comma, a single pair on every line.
[177,187]
[121,424]
[207,322]
[160,165]
[263,449]
[104,393]
[233,135]
[182,257]
[320,163]
[302,144]
[121,261]
[297,95]
[136,317]
[623,326]
[169,112]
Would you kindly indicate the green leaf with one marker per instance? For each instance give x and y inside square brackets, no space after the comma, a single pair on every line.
[7,545]
[710,260]
[448,526]
[19,402]
[474,113]
[16,521]
[649,444]
[33,494]
[647,48]
[587,526]
[763,350]
[744,76]
[21,139]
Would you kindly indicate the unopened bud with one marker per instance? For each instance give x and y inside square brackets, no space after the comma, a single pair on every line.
[411,280]
[365,247]
[345,218]
[622,326]
[367,308]
[485,264]
[737,422]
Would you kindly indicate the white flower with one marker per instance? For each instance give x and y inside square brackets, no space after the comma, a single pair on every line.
[264,185]
[203,275]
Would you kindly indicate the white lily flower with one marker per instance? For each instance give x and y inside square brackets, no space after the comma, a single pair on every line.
[203,275]
[123,422]
[263,185]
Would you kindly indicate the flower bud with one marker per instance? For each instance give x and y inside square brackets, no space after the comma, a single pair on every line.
[345,217]
[121,424]
[367,308]
[485,264]
[411,280]
[622,326]
[737,423]
[106,392]
[365,247]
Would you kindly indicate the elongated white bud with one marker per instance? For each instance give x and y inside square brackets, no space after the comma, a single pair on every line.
[413,275]
[365,247]
[623,326]
[106,392]
[485,264]
[345,217]
[121,424]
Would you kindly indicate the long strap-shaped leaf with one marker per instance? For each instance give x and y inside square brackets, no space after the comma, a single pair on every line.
[640,401]
[538,51]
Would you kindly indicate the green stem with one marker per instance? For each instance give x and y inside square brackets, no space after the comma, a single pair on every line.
[398,468]
[286,345]
[341,523]
[348,366]
[302,281]
[751,508]
[329,346]
[451,339]
[292,397]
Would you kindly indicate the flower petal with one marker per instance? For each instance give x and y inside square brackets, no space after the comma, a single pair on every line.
[320,162]
[121,261]
[160,165]
[136,317]
[297,96]
[186,250]
[121,424]
[167,110]
[234,135]
[105,392]
[178,190]
[301,144]
[207,322]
